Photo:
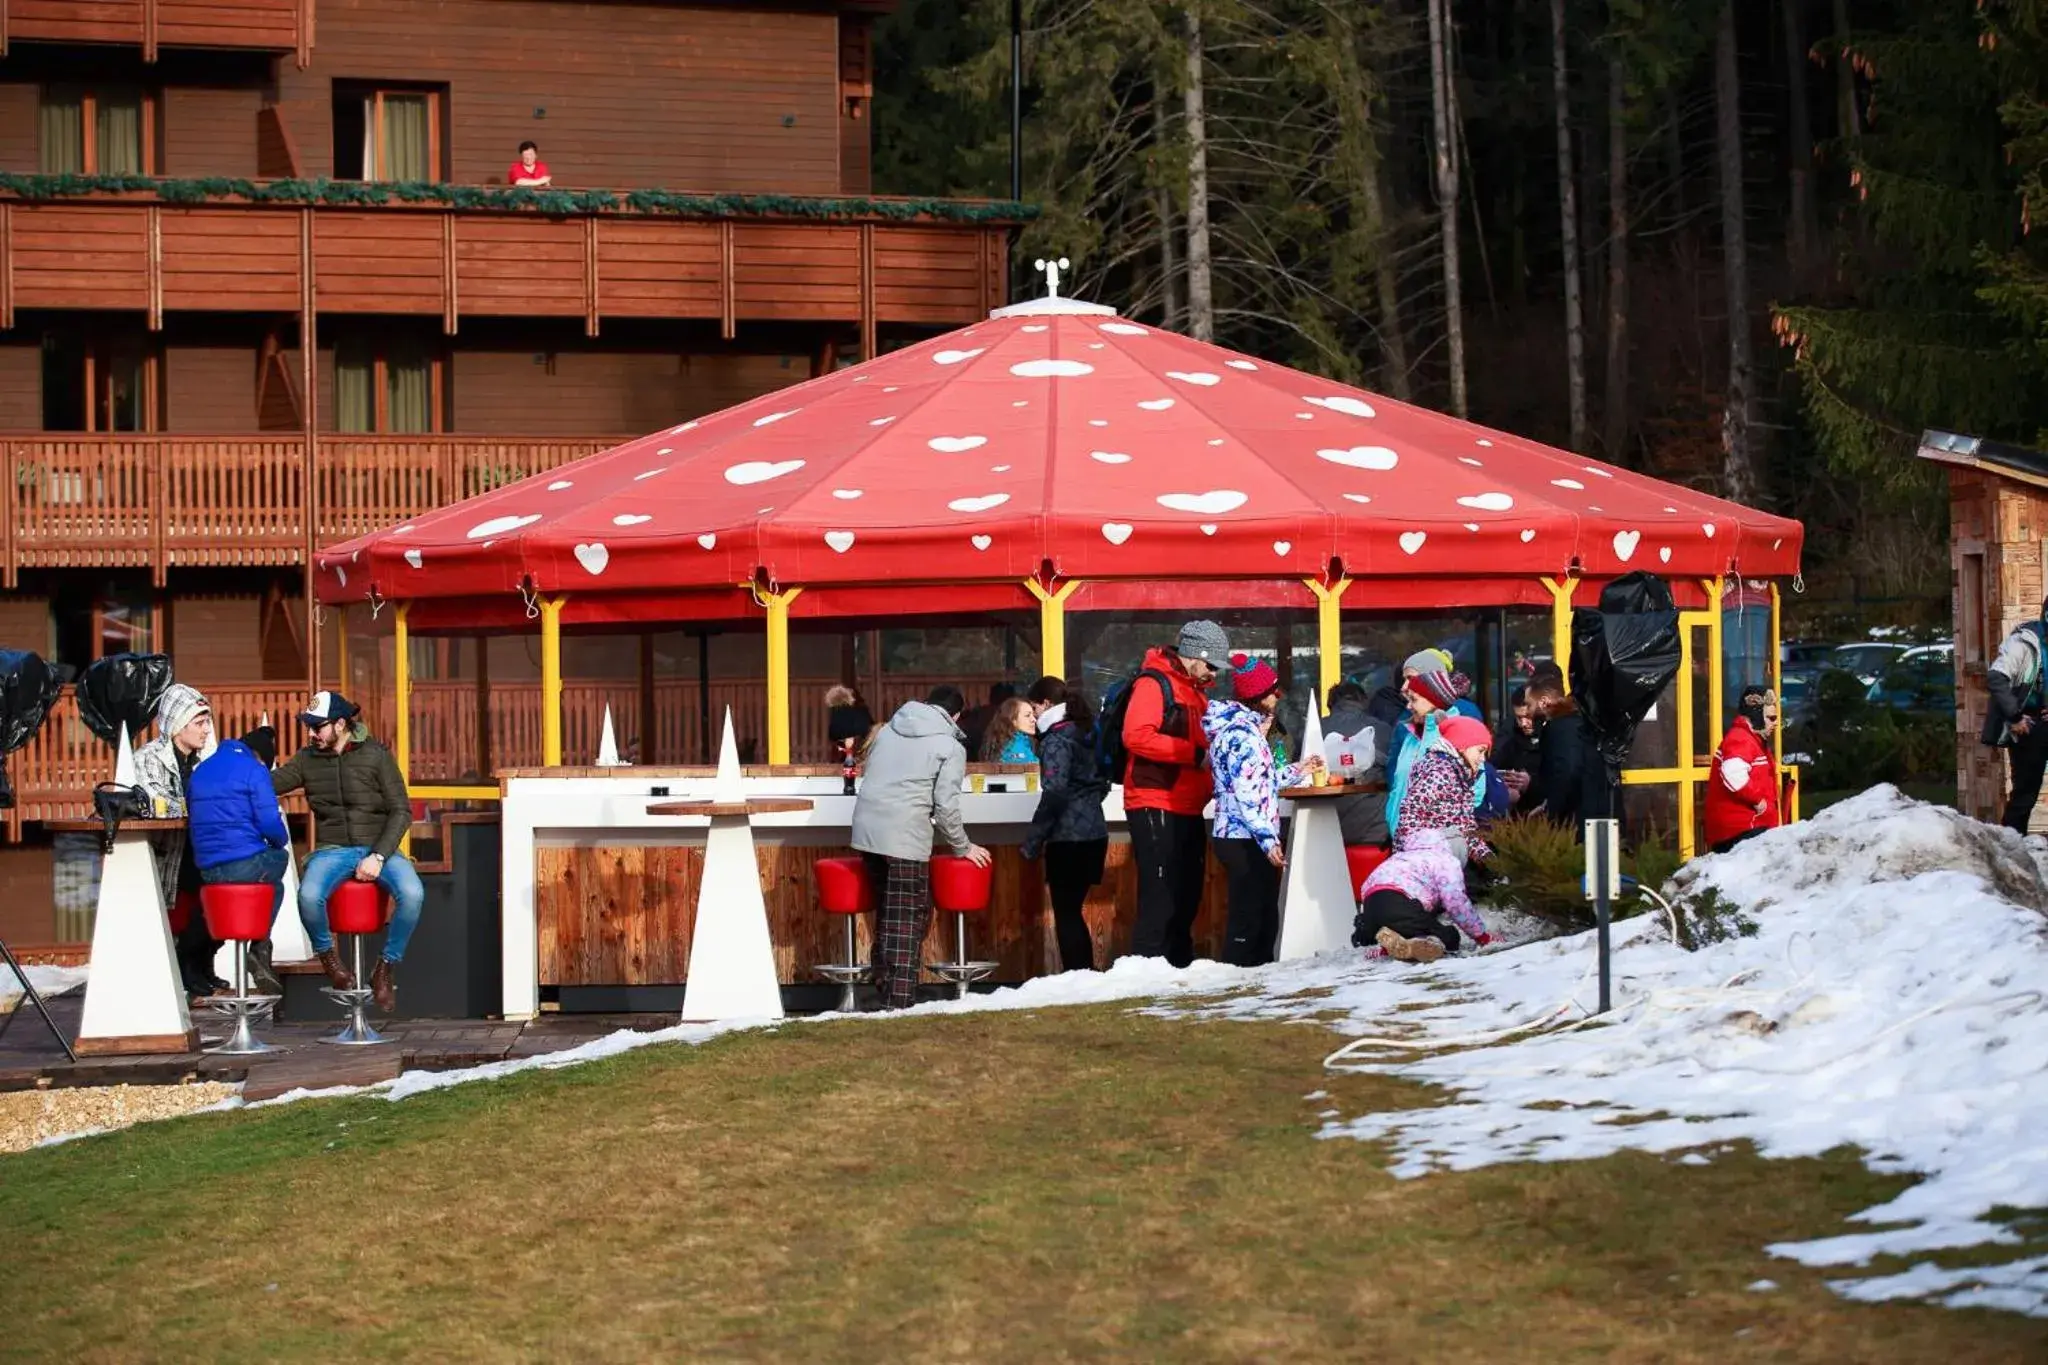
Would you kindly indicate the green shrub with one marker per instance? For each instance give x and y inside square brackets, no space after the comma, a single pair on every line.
[1538,868]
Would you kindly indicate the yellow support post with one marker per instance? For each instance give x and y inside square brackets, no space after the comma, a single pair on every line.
[778,671]
[1561,591]
[1052,625]
[1717,720]
[401,729]
[342,683]
[1791,811]
[551,681]
[1329,636]
[1688,844]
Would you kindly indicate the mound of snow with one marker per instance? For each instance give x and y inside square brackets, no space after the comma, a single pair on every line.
[1882,835]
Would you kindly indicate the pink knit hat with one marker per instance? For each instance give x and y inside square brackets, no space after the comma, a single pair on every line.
[1253,681]
[1463,732]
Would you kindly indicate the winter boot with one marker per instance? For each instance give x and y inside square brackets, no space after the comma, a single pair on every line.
[1400,949]
[382,988]
[338,976]
[262,977]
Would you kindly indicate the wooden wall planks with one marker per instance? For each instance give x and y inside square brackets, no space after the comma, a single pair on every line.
[79,256]
[230,258]
[682,96]
[623,915]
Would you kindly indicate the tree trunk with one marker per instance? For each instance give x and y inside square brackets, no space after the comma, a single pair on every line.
[1162,201]
[1804,228]
[1738,468]
[1850,119]
[1201,296]
[1614,405]
[1568,198]
[1360,159]
[1441,77]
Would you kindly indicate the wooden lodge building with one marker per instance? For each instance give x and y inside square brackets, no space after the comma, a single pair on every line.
[263,284]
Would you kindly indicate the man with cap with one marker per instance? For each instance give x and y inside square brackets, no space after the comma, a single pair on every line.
[163,767]
[1742,791]
[360,812]
[1167,785]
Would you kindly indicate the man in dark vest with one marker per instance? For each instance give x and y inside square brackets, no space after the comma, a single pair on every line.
[2014,720]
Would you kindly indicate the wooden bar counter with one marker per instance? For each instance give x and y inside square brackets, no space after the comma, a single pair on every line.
[599,892]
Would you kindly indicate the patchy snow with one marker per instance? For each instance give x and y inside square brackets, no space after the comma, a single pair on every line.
[48,980]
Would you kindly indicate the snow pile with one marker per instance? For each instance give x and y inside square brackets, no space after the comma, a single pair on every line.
[47,980]
[1887,999]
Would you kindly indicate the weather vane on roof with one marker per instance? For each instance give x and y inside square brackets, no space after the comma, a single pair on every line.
[1051,270]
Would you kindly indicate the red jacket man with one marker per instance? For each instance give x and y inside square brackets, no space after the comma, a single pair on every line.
[1169,760]
[1166,784]
[1742,780]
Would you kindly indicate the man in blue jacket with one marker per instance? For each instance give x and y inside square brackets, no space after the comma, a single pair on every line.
[238,833]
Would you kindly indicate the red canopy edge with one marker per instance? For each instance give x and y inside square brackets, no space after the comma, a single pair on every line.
[595,612]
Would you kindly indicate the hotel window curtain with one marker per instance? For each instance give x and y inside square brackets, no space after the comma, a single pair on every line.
[120,133]
[408,154]
[354,372]
[60,132]
[408,392]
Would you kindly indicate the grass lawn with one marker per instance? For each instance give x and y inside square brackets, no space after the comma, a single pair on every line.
[1073,1184]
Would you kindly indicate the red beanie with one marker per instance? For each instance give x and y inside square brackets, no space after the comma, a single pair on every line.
[1463,732]
[1435,688]
[1253,681]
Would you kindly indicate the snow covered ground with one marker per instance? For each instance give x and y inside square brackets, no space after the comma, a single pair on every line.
[47,980]
[1893,996]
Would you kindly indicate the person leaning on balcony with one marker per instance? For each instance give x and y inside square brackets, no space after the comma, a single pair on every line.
[529,171]
[184,739]
[360,812]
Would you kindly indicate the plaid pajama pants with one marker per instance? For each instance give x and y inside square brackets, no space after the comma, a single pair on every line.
[903,897]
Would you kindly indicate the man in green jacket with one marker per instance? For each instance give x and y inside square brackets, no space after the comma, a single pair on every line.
[360,812]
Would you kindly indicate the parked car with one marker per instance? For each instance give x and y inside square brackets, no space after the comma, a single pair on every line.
[1866,659]
[1922,679]
[1805,654]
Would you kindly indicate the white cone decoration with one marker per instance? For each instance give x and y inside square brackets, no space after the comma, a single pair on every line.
[1317,900]
[608,744]
[124,761]
[732,960]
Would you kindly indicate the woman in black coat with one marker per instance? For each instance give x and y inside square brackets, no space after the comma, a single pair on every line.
[1068,825]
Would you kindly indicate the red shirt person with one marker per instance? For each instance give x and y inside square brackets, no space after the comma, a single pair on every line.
[1166,785]
[1742,780]
[529,170]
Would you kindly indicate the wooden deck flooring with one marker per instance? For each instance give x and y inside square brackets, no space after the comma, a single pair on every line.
[31,1059]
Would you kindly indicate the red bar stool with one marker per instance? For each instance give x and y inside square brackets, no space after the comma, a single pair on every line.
[239,913]
[180,912]
[359,909]
[843,891]
[960,889]
[1362,859]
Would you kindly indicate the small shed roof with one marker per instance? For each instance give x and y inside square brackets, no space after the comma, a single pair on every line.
[1975,452]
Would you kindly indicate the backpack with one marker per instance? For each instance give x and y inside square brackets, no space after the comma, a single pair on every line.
[1494,801]
[1110,752]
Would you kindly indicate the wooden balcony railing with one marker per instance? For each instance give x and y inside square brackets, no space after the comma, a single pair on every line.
[135,501]
[261,25]
[54,773]
[153,257]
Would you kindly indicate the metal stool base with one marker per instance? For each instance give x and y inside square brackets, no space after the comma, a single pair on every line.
[962,972]
[846,975]
[356,1032]
[245,1011]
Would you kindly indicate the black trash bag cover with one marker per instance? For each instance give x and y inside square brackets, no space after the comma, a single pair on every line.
[1622,661]
[28,689]
[122,690]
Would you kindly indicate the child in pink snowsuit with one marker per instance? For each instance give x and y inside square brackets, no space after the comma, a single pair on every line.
[1405,896]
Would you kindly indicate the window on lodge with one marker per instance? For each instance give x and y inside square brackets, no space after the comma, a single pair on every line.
[387,134]
[390,385]
[100,384]
[96,130]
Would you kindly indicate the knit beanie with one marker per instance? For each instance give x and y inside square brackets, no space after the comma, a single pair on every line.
[1254,681]
[177,708]
[1435,688]
[1463,732]
[1204,640]
[1424,661]
[1755,698]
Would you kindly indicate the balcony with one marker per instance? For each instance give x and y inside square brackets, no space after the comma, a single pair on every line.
[158,502]
[244,25]
[145,255]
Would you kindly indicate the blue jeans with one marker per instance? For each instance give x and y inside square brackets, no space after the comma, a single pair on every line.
[267,866]
[329,867]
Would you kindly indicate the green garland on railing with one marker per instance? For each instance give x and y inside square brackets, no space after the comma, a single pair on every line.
[511,198]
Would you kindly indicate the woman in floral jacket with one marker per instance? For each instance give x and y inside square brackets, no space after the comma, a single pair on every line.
[1425,878]
[1246,832]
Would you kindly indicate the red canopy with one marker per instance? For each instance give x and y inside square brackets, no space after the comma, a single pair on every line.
[1056,432]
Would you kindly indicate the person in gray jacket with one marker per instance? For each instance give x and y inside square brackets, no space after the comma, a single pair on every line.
[909,789]
[2015,721]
